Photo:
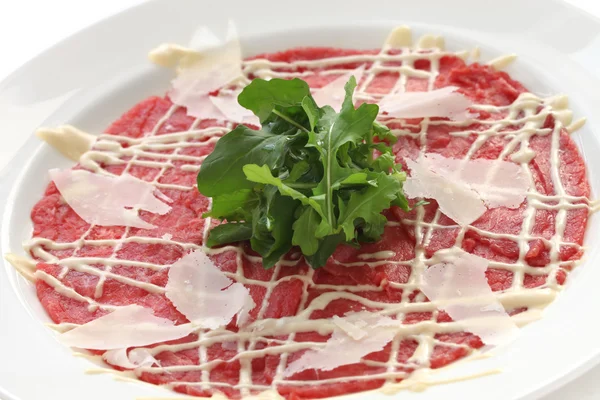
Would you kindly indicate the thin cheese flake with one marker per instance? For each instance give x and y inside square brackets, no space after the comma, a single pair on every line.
[458,285]
[354,330]
[133,359]
[213,68]
[333,93]
[170,55]
[205,39]
[373,331]
[128,326]
[204,107]
[109,200]
[465,189]
[444,103]
[204,294]
[68,140]
[228,105]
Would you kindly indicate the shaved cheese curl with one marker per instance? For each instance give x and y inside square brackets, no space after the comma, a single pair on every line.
[109,200]
[133,359]
[204,294]
[444,102]
[465,189]
[215,67]
[125,327]
[458,285]
[360,334]
[228,106]
[333,93]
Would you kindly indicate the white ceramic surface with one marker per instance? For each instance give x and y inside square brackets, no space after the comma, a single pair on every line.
[107,72]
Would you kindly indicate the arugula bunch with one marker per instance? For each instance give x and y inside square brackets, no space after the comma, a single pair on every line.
[311,177]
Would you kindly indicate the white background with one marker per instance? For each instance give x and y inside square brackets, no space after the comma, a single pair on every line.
[28,27]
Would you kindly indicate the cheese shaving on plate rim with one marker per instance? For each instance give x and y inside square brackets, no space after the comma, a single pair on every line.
[216,66]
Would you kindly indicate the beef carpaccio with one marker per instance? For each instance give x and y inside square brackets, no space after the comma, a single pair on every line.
[86,271]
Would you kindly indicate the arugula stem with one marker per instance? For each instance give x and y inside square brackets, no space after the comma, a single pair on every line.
[291,121]
[329,167]
[301,185]
[355,165]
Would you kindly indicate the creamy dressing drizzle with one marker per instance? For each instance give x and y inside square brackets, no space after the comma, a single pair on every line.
[527,114]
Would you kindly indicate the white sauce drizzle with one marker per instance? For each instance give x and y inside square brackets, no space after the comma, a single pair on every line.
[523,115]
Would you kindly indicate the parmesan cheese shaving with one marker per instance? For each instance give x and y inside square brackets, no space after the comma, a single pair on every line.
[355,331]
[373,331]
[228,105]
[171,55]
[204,38]
[444,102]
[457,201]
[68,140]
[203,107]
[465,189]
[125,327]
[458,285]
[109,200]
[333,93]
[23,265]
[202,292]
[213,68]
[136,358]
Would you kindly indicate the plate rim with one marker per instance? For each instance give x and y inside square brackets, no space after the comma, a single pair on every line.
[8,177]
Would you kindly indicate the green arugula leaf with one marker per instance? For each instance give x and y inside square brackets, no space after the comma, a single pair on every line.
[221,172]
[304,229]
[349,125]
[272,227]
[369,203]
[327,247]
[383,163]
[299,169]
[358,178]
[372,231]
[383,133]
[263,175]
[277,96]
[229,233]
[312,111]
[233,206]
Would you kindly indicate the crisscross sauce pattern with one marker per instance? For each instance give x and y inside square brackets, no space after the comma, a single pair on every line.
[85,271]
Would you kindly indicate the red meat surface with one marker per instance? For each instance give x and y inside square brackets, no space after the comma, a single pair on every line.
[55,220]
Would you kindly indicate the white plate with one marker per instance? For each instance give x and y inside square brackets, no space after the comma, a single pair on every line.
[100,72]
